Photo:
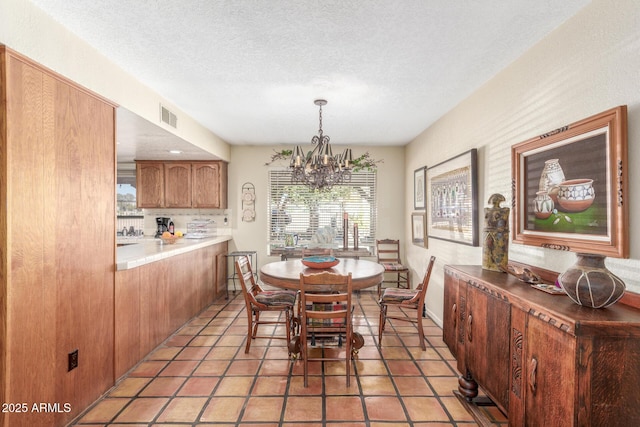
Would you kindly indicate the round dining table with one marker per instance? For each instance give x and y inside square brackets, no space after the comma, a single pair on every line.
[286,274]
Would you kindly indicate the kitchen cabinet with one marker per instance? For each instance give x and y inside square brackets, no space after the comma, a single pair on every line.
[164,184]
[564,364]
[150,184]
[209,185]
[177,185]
[153,300]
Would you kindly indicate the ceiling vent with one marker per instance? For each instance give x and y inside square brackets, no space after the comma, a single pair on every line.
[168,117]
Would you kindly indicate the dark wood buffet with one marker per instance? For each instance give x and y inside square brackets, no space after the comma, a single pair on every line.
[541,358]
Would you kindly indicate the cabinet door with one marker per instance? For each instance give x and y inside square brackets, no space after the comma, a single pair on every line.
[206,185]
[549,375]
[487,331]
[450,316]
[177,185]
[150,185]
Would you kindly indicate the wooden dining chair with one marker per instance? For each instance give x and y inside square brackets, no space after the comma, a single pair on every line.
[258,300]
[412,299]
[326,315]
[388,253]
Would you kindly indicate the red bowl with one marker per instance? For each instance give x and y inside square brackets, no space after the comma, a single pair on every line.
[320,262]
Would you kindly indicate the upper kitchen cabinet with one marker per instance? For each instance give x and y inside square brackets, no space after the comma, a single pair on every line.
[177,185]
[164,184]
[150,184]
[209,185]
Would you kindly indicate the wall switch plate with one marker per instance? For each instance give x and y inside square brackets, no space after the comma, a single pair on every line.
[73,360]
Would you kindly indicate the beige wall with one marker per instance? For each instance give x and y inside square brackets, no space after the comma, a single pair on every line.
[27,30]
[588,65]
[248,165]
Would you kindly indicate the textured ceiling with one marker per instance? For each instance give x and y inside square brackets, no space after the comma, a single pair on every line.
[249,70]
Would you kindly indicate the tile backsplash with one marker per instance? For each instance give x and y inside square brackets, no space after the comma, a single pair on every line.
[181,217]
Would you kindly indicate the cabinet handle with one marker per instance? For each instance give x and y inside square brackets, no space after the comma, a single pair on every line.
[454,309]
[533,368]
[469,322]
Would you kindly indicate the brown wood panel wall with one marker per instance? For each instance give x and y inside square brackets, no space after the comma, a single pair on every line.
[58,254]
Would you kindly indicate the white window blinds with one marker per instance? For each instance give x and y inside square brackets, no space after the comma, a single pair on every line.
[296,209]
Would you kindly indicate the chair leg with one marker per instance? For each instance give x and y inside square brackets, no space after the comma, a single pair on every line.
[256,322]
[288,327]
[421,330]
[381,322]
[249,331]
[349,356]
[304,355]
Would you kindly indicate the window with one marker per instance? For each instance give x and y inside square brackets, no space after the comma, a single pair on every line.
[126,200]
[315,215]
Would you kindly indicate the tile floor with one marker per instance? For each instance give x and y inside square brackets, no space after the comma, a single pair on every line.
[201,376]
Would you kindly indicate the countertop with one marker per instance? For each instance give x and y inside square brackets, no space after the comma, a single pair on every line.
[148,250]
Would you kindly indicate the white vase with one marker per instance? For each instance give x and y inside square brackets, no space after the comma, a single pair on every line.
[552,175]
[543,205]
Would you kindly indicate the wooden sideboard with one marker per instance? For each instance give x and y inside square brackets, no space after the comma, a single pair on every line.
[542,359]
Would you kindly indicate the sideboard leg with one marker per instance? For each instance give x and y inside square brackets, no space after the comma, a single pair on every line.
[468,387]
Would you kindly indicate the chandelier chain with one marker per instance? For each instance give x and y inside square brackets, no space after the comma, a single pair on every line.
[320,169]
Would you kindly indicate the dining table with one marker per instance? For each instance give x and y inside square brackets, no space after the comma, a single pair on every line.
[286,275]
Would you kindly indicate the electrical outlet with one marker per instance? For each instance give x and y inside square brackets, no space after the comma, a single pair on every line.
[73,360]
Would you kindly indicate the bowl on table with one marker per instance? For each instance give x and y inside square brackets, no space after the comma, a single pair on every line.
[320,261]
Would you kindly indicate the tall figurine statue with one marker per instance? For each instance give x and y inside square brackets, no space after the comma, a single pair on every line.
[495,249]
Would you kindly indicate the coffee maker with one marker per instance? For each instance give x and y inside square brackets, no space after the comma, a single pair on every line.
[163,225]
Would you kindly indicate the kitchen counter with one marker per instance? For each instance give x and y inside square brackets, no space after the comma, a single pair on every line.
[148,250]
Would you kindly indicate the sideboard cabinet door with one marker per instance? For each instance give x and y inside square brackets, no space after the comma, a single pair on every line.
[451,312]
[487,339]
[549,375]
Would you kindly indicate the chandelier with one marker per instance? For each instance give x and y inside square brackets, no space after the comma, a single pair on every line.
[319,168]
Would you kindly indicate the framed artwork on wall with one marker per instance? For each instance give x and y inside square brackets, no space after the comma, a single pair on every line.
[569,187]
[418,229]
[452,192]
[419,196]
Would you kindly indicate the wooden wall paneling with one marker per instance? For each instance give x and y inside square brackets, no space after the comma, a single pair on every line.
[4,274]
[127,321]
[30,340]
[59,289]
[82,203]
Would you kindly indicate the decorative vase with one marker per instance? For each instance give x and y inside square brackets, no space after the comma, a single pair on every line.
[589,283]
[543,205]
[495,248]
[552,175]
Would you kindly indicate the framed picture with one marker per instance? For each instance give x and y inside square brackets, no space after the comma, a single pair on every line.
[418,235]
[452,191]
[419,199]
[569,187]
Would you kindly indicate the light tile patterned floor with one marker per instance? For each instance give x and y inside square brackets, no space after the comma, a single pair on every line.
[201,377]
